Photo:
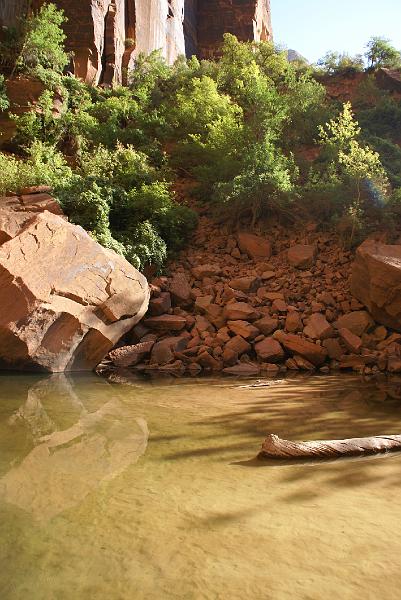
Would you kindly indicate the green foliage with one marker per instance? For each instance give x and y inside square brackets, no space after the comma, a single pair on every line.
[117,197]
[380,53]
[43,39]
[4,102]
[383,120]
[43,165]
[352,166]
[262,186]
[238,126]
[368,93]
[390,156]
[10,46]
[340,63]
[338,133]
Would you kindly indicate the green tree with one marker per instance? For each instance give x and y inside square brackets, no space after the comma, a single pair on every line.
[334,63]
[380,53]
[43,42]
[351,163]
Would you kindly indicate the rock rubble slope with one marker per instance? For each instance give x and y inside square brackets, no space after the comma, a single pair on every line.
[266,304]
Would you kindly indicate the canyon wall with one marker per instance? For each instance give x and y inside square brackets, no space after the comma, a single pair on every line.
[105,36]
[246,19]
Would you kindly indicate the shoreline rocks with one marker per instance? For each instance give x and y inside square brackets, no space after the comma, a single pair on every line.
[238,321]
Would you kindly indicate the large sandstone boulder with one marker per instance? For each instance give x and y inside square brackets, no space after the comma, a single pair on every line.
[376,281]
[65,300]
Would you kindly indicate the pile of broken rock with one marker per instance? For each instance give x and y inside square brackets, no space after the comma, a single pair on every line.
[247,305]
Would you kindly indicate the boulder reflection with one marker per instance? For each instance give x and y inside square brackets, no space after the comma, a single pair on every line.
[79,442]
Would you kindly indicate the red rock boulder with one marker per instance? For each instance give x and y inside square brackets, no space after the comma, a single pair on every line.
[376,281]
[65,300]
[254,246]
[313,353]
[301,256]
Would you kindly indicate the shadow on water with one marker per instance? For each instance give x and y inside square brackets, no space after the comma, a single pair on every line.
[302,409]
[60,433]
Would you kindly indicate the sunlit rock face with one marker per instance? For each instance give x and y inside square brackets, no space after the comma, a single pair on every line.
[105,36]
[96,38]
[159,26]
[65,299]
[376,281]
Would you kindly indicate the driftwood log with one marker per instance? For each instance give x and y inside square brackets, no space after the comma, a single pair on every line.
[275,448]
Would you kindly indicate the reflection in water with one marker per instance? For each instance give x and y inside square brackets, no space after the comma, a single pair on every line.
[66,464]
[82,518]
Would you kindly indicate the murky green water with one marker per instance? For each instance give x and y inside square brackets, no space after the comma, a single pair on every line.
[132,491]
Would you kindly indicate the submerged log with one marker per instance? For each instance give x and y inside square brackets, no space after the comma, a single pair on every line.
[274,447]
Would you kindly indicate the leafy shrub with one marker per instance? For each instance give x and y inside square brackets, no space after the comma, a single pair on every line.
[262,186]
[43,165]
[42,42]
[4,102]
[117,197]
[380,53]
[390,156]
[383,120]
[337,63]
[368,93]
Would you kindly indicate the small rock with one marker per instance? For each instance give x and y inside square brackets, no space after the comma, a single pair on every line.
[243,369]
[357,322]
[202,303]
[293,322]
[180,290]
[128,356]
[166,323]
[208,362]
[279,306]
[334,348]
[244,329]
[266,325]
[160,305]
[297,345]
[240,311]
[318,328]
[205,271]
[266,275]
[244,284]
[303,364]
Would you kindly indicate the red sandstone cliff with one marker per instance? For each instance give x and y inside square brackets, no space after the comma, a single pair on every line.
[247,19]
[98,30]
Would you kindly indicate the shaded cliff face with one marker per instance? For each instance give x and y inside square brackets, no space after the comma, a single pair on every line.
[247,19]
[105,36]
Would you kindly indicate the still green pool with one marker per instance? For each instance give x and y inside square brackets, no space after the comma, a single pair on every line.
[140,490]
